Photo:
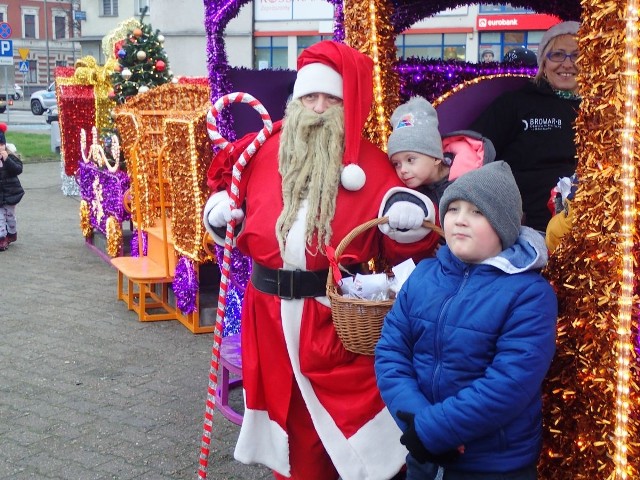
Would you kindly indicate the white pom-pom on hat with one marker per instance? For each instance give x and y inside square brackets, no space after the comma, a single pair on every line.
[352,177]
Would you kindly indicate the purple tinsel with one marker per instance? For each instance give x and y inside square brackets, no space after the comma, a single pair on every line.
[135,251]
[239,271]
[338,20]
[185,285]
[112,187]
[434,77]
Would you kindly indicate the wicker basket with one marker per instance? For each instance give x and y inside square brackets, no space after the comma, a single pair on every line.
[359,322]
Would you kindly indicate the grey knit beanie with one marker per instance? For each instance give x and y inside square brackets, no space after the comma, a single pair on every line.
[415,129]
[493,190]
[562,28]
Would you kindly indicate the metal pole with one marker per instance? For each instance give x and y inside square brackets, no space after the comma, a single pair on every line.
[6,93]
[46,35]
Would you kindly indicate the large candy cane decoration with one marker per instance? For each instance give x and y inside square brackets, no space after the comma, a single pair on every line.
[223,144]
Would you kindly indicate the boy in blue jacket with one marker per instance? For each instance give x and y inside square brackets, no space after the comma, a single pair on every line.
[468,342]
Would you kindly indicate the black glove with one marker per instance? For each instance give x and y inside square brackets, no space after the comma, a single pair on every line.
[411,440]
[417,450]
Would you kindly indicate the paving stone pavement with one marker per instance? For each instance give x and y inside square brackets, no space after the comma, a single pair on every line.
[87,391]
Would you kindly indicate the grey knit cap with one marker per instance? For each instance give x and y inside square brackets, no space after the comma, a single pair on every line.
[562,28]
[493,190]
[415,129]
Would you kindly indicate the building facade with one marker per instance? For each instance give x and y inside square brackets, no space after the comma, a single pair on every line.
[271,33]
[43,35]
[181,23]
[282,28]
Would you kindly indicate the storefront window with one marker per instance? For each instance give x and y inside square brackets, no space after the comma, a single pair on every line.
[270,52]
[304,42]
[437,45]
[501,42]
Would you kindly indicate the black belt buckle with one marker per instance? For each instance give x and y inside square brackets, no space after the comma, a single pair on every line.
[286,279]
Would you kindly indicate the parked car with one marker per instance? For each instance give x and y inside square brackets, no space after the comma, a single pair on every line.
[18,92]
[43,99]
[51,114]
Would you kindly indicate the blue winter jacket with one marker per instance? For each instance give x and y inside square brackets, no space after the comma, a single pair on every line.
[466,348]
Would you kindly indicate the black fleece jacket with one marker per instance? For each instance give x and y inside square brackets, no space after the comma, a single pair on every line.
[532,130]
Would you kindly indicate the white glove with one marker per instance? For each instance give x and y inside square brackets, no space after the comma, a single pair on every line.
[221,214]
[405,216]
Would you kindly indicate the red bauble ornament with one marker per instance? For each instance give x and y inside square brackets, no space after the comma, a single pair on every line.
[137,32]
[160,66]
[111,94]
[117,68]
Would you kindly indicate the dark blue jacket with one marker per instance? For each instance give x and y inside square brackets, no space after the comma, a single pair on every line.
[466,348]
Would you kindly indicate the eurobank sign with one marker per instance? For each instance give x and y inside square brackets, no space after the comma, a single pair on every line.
[533,21]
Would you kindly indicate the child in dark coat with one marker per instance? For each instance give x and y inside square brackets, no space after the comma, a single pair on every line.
[11,191]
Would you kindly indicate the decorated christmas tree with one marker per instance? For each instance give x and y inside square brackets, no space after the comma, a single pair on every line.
[142,63]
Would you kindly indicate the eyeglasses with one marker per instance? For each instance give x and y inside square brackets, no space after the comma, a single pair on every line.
[559,57]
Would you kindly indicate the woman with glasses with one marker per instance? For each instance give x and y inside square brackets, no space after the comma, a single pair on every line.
[532,128]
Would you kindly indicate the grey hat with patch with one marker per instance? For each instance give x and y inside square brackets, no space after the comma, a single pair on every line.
[493,190]
[415,129]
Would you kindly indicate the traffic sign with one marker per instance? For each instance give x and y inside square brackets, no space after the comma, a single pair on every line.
[6,52]
[5,30]
[23,66]
[24,53]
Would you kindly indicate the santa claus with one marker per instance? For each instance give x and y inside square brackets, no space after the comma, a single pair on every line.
[312,409]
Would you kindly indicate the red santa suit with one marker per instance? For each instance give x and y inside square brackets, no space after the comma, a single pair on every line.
[290,344]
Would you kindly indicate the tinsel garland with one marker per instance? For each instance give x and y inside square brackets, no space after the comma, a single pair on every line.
[134,246]
[69,185]
[114,237]
[218,13]
[188,153]
[185,285]
[240,272]
[85,221]
[118,34]
[76,105]
[368,30]
[338,20]
[103,191]
[432,78]
[140,123]
[583,436]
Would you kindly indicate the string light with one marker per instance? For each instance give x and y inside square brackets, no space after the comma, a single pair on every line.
[626,242]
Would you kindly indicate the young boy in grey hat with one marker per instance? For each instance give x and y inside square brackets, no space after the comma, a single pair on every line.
[426,162]
[470,337]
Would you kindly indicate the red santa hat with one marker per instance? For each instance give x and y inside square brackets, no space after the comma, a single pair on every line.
[340,70]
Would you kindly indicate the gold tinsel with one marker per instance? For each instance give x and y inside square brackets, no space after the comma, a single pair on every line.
[580,392]
[114,237]
[85,219]
[368,29]
[188,152]
[119,33]
[140,122]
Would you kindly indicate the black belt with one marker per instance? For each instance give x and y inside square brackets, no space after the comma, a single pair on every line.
[289,284]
